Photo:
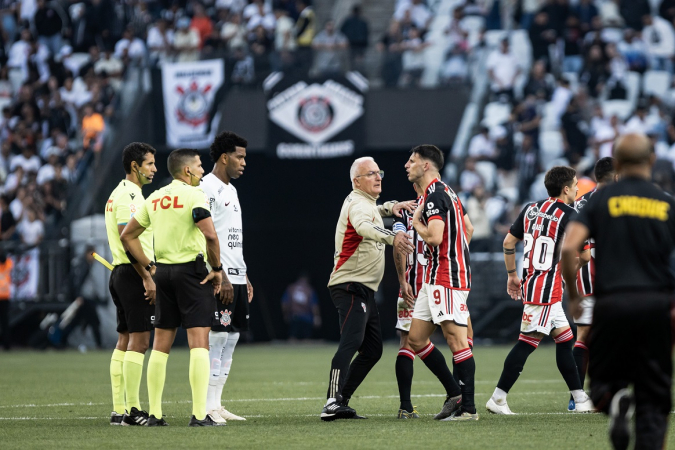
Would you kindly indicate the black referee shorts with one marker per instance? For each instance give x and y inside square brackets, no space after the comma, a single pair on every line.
[233,317]
[630,342]
[135,314]
[181,300]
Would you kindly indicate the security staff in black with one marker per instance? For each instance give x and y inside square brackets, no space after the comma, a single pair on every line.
[633,224]
[185,239]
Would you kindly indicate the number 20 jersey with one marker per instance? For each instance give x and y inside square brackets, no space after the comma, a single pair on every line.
[541,227]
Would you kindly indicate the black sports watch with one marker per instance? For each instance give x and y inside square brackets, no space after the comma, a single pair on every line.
[149,266]
[217,269]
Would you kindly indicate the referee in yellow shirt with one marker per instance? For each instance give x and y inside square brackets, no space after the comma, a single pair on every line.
[131,287]
[183,230]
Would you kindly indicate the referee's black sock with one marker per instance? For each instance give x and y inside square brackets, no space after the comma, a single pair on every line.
[404,376]
[515,361]
[435,361]
[565,361]
[465,371]
[580,352]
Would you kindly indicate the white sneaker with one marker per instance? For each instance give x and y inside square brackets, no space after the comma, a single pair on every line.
[225,414]
[496,408]
[585,407]
[216,417]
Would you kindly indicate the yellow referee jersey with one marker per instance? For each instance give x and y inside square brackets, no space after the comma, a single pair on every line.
[120,208]
[169,211]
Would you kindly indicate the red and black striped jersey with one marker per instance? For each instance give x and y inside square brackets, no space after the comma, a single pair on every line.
[541,226]
[586,275]
[416,262]
[449,263]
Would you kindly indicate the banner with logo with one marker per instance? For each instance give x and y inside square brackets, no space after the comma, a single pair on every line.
[189,92]
[25,275]
[321,118]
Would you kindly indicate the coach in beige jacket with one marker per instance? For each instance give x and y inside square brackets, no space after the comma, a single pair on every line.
[360,238]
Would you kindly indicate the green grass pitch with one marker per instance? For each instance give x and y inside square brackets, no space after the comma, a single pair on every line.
[62,400]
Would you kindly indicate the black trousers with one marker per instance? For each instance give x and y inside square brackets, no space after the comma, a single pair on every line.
[359,332]
[4,323]
[630,342]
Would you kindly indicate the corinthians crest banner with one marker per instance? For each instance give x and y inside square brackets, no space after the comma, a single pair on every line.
[189,92]
[321,118]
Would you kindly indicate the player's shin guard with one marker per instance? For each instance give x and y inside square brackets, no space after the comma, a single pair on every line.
[133,372]
[515,361]
[435,361]
[199,381]
[117,380]
[465,371]
[404,376]
[217,340]
[580,353]
[565,360]
[155,377]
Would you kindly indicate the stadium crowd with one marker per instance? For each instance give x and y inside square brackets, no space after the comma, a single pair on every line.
[599,69]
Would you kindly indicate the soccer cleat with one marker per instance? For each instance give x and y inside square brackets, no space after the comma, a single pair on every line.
[217,418]
[620,414]
[461,416]
[206,422]
[571,406]
[155,422]
[496,408]
[135,418]
[451,405]
[585,406]
[225,414]
[116,419]
[336,410]
[403,414]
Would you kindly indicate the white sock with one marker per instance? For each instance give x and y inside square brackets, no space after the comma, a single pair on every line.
[226,363]
[499,396]
[579,396]
[329,401]
[217,341]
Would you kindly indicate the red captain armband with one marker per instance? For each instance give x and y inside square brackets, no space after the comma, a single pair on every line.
[434,217]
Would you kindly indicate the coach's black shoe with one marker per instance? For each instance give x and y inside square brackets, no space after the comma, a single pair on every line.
[135,418]
[207,422]
[116,419]
[155,422]
[451,405]
[336,410]
[621,412]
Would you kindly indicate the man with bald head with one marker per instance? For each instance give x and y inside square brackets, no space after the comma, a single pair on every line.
[360,238]
[633,224]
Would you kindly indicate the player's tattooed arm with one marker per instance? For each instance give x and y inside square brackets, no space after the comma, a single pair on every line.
[513,282]
[406,289]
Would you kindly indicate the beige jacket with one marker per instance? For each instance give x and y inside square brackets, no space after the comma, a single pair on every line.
[360,238]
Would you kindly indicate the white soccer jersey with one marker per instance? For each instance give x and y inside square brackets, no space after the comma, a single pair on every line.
[226,214]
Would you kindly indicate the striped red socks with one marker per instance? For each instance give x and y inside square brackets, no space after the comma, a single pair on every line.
[580,352]
[404,376]
[565,360]
[465,371]
[515,361]
[435,361]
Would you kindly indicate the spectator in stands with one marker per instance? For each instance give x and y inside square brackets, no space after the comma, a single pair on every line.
[633,11]
[233,32]
[201,22]
[540,84]
[186,41]
[413,59]
[6,266]
[574,138]
[7,221]
[572,38]
[586,11]
[243,71]
[31,229]
[391,46]
[527,162]
[300,306]
[595,72]
[659,37]
[130,49]
[634,50]
[262,15]
[503,69]
[305,30]
[667,10]
[528,9]
[93,128]
[417,11]
[482,230]
[17,59]
[455,67]
[355,29]
[470,178]
[27,160]
[542,35]
[99,21]
[261,45]
[284,41]
[638,122]
[160,42]
[48,24]
[329,46]
[527,115]
[481,146]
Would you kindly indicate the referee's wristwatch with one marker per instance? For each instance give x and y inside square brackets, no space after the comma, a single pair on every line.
[217,269]
[149,266]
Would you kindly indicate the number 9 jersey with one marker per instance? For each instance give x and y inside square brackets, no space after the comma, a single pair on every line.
[541,226]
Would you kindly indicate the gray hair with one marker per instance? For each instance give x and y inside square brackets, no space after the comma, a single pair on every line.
[355,165]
